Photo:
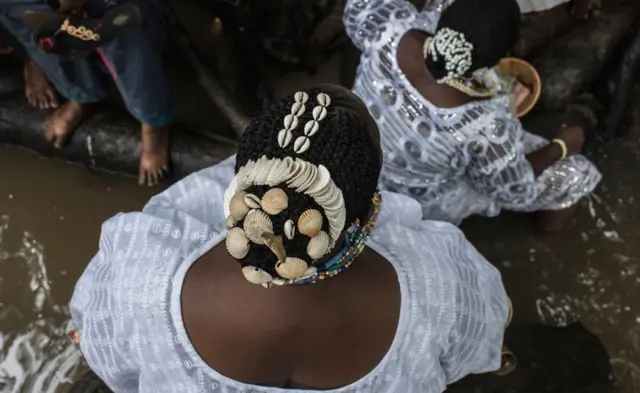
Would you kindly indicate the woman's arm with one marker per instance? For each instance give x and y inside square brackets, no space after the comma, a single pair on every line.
[543,158]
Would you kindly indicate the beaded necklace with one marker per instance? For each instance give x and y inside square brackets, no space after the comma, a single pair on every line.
[355,240]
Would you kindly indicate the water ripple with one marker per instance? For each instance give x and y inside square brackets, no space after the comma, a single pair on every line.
[35,355]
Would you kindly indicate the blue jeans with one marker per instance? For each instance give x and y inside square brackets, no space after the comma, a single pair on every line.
[133,59]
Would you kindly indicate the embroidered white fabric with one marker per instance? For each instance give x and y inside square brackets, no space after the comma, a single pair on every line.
[127,302]
[459,161]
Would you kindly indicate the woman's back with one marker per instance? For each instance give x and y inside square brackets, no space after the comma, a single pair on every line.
[320,337]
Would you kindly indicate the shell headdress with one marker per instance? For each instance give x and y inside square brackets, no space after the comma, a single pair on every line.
[297,175]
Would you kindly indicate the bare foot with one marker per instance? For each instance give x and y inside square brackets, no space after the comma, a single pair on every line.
[39,91]
[154,161]
[63,121]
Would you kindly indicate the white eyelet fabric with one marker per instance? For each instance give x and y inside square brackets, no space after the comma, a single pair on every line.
[457,161]
[127,302]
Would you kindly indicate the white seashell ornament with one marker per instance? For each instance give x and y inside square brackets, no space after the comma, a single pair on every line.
[318,246]
[252,201]
[297,109]
[319,113]
[237,243]
[284,138]
[230,222]
[256,275]
[290,122]
[301,144]
[310,222]
[301,97]
[237,206]
[274,201]
[256,223]
[311,127]
[324,99]
[289,229]
[292,268]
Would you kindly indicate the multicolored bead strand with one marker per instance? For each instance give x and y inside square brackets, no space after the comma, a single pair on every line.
[355,241]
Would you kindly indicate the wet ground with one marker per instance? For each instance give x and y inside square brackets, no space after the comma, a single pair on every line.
[50,216]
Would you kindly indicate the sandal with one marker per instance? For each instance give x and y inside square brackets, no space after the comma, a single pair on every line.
[75,36]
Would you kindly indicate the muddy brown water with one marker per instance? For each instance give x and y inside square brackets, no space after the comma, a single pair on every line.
[51,212]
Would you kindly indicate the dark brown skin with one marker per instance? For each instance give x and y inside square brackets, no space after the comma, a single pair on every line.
[38,89]
[154,161]
[412,63]
[320,336]
[64,120]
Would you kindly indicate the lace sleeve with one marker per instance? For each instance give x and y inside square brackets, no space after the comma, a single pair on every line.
[103,345]
[363,19]
[477,315]
[496,160]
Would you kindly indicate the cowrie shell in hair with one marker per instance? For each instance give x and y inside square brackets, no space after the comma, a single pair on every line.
[301,97]
[289,229]
[324,99]
[290,122]
[311,128]
[284,138]
[301,144]
[256,275]
[297,109]
[252,201]
[319,113]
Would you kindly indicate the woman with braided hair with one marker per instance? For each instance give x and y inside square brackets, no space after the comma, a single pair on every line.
[283,267]
[449,135]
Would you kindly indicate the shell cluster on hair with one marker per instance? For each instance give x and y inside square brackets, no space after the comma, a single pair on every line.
[295,174]
[291,120]
[303,143]
[455,49]
[301,176]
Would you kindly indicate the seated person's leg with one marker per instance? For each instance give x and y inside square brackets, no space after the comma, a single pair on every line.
[77,80]
[134,60]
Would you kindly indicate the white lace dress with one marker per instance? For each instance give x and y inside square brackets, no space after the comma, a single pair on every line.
[128,310]
[458,161]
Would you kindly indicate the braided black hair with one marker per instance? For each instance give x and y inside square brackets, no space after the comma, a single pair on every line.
[492,26]
[343,145]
